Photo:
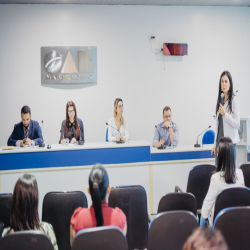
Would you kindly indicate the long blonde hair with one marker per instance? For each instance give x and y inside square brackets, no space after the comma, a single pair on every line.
[117,100]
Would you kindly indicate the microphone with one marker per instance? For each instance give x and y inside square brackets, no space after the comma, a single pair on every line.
[42,145]
[121,141]
[221,98]
[221,101]
[80,142]
[198,145]
[162,146]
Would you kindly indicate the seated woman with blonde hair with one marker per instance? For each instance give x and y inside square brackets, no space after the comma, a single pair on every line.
[117,130]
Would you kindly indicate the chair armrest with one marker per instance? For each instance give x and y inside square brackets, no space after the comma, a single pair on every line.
[149,219]
[177,189]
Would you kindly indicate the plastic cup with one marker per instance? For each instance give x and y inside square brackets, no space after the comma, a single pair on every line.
[67,141]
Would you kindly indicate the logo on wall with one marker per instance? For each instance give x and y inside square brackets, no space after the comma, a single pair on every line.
[68,65]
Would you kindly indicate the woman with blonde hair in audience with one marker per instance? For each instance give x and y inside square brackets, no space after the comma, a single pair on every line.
[24,212]
[205,239]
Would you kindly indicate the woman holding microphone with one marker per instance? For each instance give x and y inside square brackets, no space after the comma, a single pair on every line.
[227,112]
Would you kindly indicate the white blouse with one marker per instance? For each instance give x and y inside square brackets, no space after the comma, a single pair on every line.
[217,185]
[231,121]
[113,133]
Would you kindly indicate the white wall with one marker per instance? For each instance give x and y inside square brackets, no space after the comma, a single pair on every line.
[218,39]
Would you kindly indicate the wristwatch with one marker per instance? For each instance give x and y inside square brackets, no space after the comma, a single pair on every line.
[170,126]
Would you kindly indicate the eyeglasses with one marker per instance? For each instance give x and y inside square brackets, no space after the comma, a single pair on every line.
[71,112]
[167,116]
[120,106]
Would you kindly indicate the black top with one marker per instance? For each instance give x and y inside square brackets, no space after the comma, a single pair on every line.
[220,133]
[72,131]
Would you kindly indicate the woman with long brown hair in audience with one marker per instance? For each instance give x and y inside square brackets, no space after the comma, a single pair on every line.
[24,212]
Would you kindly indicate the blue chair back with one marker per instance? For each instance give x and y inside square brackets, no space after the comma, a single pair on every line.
[107,139]
[5,208]
[170,230]
[23,240]
[99,238]
[234,224]
[208,137]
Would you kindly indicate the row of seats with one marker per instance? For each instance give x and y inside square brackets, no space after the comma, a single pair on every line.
[58,207]
[167,231]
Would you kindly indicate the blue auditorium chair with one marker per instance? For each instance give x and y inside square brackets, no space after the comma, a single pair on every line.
[234,224]
[170,230]
[99,238]
[208,137]
[107,132]
[26,240]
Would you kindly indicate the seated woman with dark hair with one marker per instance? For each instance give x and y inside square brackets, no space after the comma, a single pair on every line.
[99,214]
[226,176]
[72,127]
[24,213]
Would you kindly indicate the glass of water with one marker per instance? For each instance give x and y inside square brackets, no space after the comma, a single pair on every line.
[32,144]
[67,141]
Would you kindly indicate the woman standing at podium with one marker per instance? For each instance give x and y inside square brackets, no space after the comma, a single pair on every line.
[227,113]
[117,130]
[72,127]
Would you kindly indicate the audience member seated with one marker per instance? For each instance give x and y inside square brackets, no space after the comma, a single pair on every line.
[205,239]
[226,176]
[24,213]
[99,214]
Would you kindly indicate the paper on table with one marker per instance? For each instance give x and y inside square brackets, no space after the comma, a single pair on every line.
[8,148]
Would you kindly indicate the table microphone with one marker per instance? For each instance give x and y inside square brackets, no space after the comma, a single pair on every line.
[80,142]
[121,141]
[162,146]
[198,145]
[42,145]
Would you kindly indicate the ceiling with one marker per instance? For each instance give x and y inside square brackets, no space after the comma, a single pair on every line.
[242,3]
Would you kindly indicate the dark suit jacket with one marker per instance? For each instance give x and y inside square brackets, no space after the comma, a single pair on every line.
[35,133]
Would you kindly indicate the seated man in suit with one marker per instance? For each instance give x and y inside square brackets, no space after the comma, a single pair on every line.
[167,132]
[26,131]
